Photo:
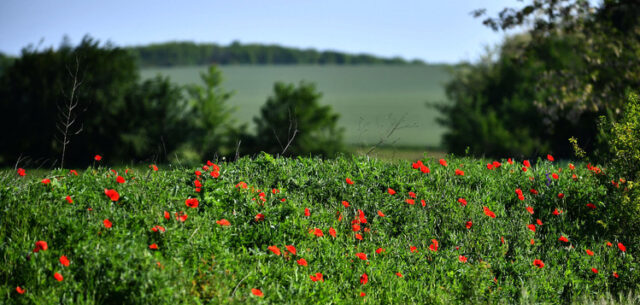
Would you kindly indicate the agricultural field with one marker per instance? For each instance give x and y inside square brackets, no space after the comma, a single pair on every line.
[310,231]
[369,99]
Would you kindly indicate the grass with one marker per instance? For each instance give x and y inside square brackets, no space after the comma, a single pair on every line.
[201,260]
[369,99]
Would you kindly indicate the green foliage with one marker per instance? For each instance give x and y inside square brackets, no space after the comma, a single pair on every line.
[213,128]
[189,53]
[293,119]
[542,90]
[199,261]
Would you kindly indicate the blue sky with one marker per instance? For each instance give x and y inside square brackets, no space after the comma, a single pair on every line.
[431,30]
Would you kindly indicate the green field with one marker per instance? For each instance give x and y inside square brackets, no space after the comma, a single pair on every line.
[370,99]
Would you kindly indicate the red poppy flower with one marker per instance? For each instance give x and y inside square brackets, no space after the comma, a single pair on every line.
[192,202]
[355,227]
[416,165]
[462,259]
[609,244]
[361,217]
[560,195]
[97,158]
[332,232]
[379,250]
[345,203]
[349,181]
[362,294]
[58,276]
[68,199]
[73,172]
[524,169]
[291,249]
[274,249]
[158,229]
[223,222]
[120,179]
[424,169]
[622,247]
[302,262]
[257,292]
[112,194]
[153,167]
[107,223]
[550,158]
[381,214]
[167,216]
[20,290]
[539,222]
[555,176]
[64,261]
[317,277]
[489,166]
[488,212]
[181,216]
[509,161]
[306,212]
[214,174]
[462,201]
[468,224]
[364,278]
[259,217]
[530,210]
[197,183]
[533,191]
[591,206]
[532,242]
[358,236]
[532,227]
[45,181]
[197,173]
[538,263]
[21,172]
[413,249]
[40,245]
[615,274]
[434,245]
[563,239]
[391,191]
[398,274]
[502,239]
[589,252]
[526,163]
[153,246]
[459,172]
[594,270]
[496,164]
[556,212]
[518,191]
[443,162]
[317,232]
[410,201]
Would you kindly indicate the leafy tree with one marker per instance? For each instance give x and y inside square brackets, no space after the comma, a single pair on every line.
[293,122]
[213,129]
[572,66]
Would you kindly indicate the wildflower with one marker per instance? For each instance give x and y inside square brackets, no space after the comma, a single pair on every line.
[73,172]
[274,249]
[488,212]
[214,174]
[443,162]
[381,214]
[556,212]
[40,245]
[530,210]
[153,246]
[459,172]
[434,245]
[306,212]
[538,263]
[20,290]
[182,216]
[358,236]
[509,161]
[462,259]
[410,201]
[257,292]
[259,217]
[332,232]
[45,181]
[362,294]
[413,249]
[21,172]
[550,158]
[591,206]
[533,191]
[58,276]
[317,232]
[345,203]
[589,252]
[112,194]
[153,167]
[64,261]
[68,199]
[391,191]
[462,201]
[364,278]
[594,270]
[291,249]
[361,256]
[166,215]
[107,223]
[223,222]
[526,163]
[158,229]
[120,179]
[532,227]
[622,247]
[468,224]
[412,195]
[560,195]
[555,176]
[379,250]
[424,169]
[317,277]
[349,181]
[539,222]
[615,274]
[302,262]
[563,239]
[192,202]
[97,157]
[398,274]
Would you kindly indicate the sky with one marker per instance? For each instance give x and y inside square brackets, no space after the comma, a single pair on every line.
[436,31]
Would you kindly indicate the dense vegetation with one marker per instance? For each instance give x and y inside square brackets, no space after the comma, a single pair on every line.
[279,230]
[548,84]
[190,53]
[89,98]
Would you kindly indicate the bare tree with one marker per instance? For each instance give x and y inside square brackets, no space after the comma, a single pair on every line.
[395,126]
[67,114]
[293,124]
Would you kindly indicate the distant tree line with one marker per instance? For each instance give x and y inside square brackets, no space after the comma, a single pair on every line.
[190,53]
[89,100]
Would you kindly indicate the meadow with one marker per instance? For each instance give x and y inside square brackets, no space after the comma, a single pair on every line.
[312,231]
[369,99]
